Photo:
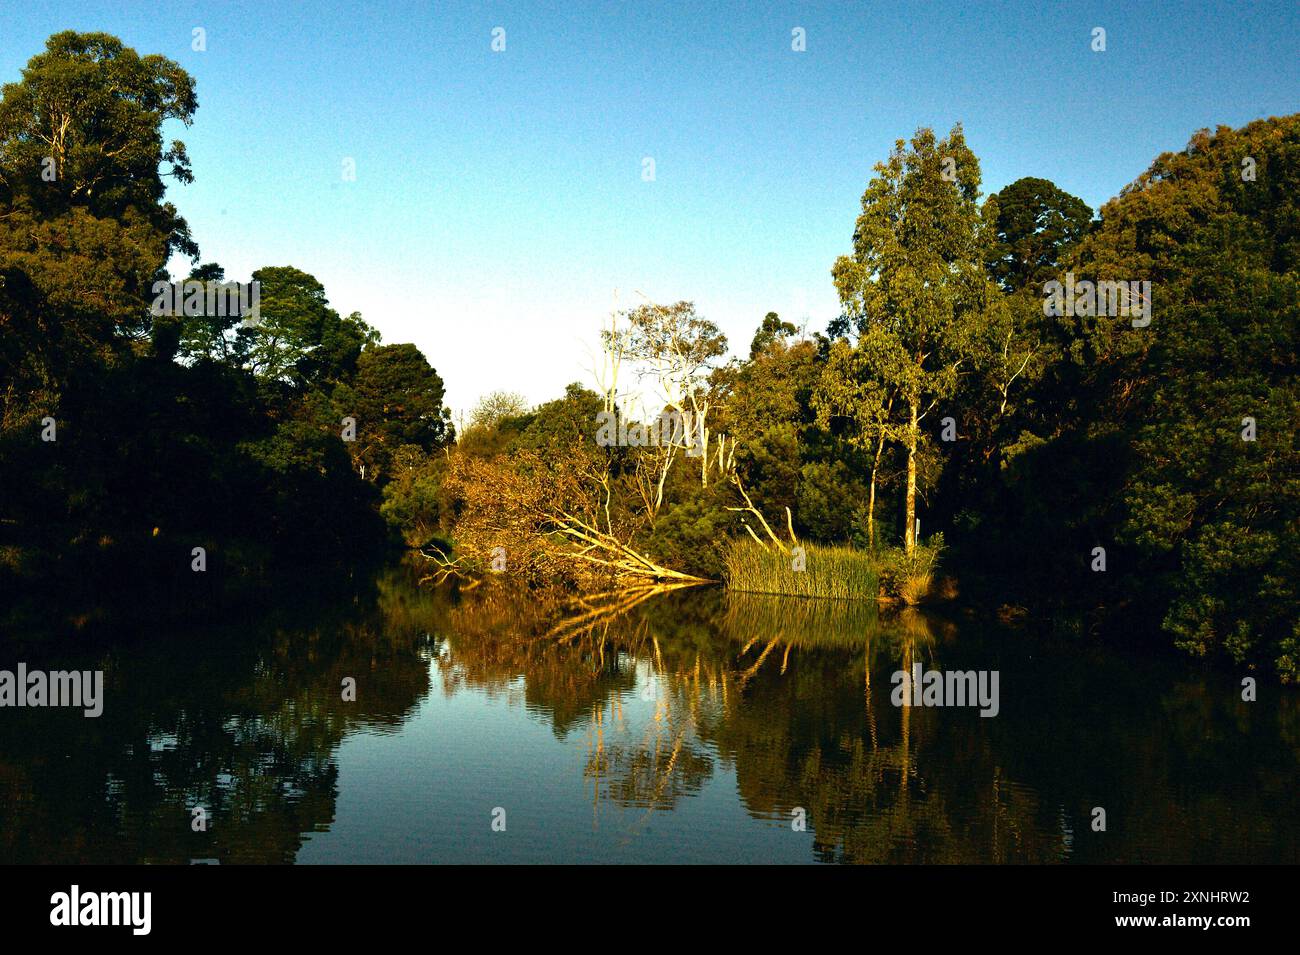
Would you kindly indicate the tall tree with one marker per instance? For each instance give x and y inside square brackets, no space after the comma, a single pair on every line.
[300,339]
[677,347]
[82,210]
[771,330]
[916,276]
[83,128]
[1207,393]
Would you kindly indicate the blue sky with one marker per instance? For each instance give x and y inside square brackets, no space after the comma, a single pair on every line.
[499,198]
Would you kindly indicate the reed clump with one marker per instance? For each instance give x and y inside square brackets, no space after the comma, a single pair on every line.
[837,571]
[803,570]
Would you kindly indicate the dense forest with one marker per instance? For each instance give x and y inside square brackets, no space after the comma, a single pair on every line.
[1084,416]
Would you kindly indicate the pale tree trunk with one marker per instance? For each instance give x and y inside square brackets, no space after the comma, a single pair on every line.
[871,514]
[875,470]
[704,452]
[698,432]
[913,434]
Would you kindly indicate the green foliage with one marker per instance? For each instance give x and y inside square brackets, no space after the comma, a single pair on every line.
[413,501]
[915,291]
[771,330]
[300,340]
[786,454]
[1037,225]
[908,575]
[827,500]
[675,338]
[1215,516]
[686,536]
[396,398]
[95,108]
[181,432]
[568,423]
[1132,438]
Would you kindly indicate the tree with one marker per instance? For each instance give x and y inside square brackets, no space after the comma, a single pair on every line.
[860,383]
[677,348]
[82,216]
[222,335]
[299,339]
[916,275]
[1208,392]
[1037,225]
[83,129]
[494,408]
[772,330]
[565,424]
[396,398]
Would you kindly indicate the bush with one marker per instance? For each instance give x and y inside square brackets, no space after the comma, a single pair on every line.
[910,576]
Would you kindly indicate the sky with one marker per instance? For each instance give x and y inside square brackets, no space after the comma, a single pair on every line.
[500,206]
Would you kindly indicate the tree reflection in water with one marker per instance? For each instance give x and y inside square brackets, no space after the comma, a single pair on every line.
[668,694]
[794,696]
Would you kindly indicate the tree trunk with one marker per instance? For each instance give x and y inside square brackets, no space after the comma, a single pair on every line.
[875,470]
[871,514]
[871,499]
[909,528]
[704,452]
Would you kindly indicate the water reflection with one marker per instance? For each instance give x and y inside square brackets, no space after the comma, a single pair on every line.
[679,724]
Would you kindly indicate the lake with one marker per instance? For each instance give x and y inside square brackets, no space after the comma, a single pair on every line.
[684,726]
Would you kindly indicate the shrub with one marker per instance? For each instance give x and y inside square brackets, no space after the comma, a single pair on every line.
[910,576]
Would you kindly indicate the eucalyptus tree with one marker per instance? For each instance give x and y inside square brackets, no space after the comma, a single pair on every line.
[915,283]
[677,348]
[84,225]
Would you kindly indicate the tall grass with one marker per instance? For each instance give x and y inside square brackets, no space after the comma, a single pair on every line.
[834,572]
[838,572]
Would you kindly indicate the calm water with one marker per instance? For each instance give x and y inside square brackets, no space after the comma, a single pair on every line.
[691,726]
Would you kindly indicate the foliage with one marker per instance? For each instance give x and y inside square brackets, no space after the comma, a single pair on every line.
[944,391]
[915,287]
[396,398]
[139,436]
[1037,225]
[494,408]
[908,575]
